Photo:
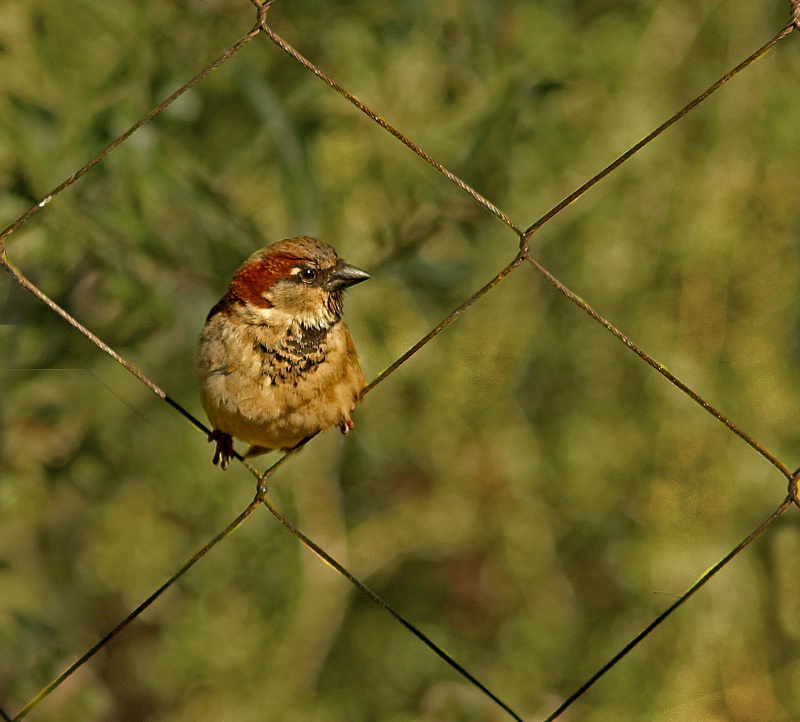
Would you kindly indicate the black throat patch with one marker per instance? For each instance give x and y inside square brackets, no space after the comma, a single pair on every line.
[307,341]
[298,353]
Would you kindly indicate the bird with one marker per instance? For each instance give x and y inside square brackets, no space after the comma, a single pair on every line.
[275,361]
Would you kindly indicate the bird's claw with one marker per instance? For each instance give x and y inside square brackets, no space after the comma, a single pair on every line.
[346,425]
[224,451]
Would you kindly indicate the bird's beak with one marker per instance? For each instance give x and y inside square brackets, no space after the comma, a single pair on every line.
[345,275]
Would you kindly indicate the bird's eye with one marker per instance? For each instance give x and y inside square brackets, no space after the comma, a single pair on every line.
[308,274]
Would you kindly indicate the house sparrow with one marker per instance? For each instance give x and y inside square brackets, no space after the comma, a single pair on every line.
[275,360]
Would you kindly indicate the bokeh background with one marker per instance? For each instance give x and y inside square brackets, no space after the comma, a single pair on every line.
[524,489]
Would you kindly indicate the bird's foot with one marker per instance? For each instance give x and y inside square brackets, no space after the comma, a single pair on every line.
[224,451]
[346,425]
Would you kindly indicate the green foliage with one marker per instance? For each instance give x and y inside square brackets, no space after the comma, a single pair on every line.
[524,489]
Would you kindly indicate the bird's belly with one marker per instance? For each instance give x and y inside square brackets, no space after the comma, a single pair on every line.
[276,416]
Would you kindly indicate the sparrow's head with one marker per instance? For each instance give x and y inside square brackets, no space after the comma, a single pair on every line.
[299,278]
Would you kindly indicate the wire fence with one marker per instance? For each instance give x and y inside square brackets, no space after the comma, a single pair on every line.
[523,258]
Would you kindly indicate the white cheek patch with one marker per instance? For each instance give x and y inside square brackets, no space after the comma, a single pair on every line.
[281,319]
[269,316]
[293,305]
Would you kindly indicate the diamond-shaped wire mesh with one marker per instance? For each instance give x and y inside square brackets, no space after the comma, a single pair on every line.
[523,489]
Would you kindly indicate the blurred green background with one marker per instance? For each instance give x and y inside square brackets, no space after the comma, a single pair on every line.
[524,489]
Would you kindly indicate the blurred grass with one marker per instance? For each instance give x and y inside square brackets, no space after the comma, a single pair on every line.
[524,488]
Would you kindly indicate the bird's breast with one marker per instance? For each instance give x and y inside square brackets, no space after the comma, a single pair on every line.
[291,357]
[273,387]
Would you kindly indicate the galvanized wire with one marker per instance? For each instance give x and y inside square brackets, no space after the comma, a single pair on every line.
[524,257]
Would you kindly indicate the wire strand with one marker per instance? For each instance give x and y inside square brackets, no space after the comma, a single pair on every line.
[663,370]
[701,582]
[97,646]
